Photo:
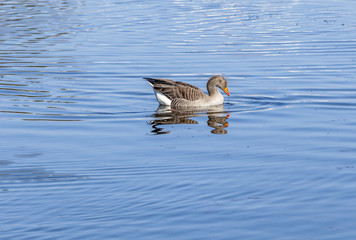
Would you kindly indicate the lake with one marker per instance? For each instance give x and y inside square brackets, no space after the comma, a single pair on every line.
[87,153]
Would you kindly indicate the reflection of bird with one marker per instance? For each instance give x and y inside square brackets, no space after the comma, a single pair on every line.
[166,115]
[218,123]
[172,93]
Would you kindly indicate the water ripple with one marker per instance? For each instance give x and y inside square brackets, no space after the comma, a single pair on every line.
[80,151]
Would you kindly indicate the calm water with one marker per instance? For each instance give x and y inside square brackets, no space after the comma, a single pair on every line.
[86,154]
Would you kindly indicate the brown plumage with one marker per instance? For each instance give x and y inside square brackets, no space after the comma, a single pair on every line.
[169,92]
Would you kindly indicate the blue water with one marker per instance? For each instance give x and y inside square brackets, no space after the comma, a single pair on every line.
[86,154]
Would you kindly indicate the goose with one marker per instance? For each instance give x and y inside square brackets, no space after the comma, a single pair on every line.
[180,94]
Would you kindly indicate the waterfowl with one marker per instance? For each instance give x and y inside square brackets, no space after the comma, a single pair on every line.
[172,93]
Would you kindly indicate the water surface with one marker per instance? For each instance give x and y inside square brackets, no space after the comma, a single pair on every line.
[85,152]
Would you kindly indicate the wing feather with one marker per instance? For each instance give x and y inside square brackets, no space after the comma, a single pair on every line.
[176,90]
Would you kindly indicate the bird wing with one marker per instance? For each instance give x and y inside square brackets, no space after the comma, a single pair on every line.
[174,90]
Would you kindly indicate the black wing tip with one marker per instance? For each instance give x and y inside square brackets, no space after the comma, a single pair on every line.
[150,80]
[158,81]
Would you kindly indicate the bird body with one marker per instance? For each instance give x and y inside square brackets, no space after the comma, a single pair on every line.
[172,93]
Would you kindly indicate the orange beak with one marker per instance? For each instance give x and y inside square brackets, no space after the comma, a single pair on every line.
[226,91]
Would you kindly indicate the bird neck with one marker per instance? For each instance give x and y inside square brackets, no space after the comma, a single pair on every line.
[211,87]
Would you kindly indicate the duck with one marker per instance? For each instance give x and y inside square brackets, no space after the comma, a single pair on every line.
[181,94]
